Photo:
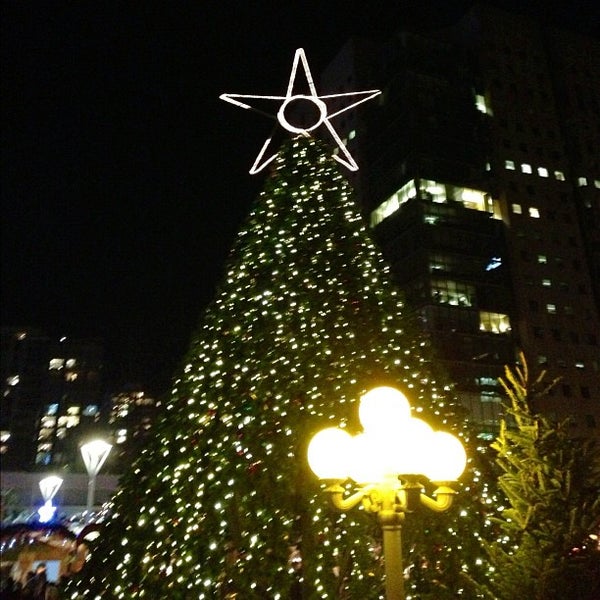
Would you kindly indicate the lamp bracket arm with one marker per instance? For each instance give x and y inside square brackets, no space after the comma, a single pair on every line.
[444,497]
[337,497]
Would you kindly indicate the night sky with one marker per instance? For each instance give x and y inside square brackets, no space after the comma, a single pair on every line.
[124,178]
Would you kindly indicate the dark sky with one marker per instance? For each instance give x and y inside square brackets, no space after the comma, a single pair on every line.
[123,178]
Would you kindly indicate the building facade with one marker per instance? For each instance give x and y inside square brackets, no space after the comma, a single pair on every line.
[480,177]
[51,388]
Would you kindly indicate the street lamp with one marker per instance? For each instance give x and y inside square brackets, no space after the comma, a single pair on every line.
[48,486]
[94,454]
[388,461]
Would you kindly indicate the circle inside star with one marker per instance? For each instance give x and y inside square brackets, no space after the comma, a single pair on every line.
[310,108]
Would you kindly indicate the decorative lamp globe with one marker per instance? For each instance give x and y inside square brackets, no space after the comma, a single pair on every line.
[414,441]
[328,453]
[382,409]
[366,459]
[445,458]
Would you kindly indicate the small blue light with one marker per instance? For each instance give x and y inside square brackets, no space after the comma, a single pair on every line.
[494,263]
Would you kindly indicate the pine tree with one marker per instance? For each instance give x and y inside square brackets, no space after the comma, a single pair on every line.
[220,504]
[551,484]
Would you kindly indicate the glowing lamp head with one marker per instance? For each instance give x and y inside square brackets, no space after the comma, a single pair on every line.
[446,458]
[328,453]
[94,454]
[382,409]
[369,458]
[413,441]
[49,486]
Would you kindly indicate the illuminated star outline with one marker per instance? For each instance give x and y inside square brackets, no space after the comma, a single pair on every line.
[319,101]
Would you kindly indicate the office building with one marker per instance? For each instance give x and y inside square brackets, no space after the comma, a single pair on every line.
[50,389]
[480,176]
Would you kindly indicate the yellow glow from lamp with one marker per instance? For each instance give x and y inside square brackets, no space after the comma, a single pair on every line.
[412,438]
[328,453]
[445,457]
[392,444]
[382,409]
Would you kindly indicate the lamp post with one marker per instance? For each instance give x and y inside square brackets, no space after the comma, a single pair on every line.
[94,454]
[48,486]
[388,462]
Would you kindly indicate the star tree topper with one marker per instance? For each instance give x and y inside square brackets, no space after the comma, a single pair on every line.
[319,102]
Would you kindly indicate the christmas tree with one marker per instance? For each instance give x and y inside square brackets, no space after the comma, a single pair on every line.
[546,550]
[221,503]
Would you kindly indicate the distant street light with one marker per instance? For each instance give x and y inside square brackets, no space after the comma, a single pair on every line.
[48,486]
[94,454]
[388,461]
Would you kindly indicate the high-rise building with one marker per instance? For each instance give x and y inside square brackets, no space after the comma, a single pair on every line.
[480,176]
[49,388]
[131,416]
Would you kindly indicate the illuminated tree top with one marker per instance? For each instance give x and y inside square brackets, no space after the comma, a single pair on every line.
[319,102]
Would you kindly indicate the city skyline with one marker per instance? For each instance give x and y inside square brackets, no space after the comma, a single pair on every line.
[125,179]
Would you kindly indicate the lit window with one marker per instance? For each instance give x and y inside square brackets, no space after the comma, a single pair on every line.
[525,168]
[392,204]
[52,409]
[56,364]
[559,175]
[582,181]
[542,360]
[435,191]
[72,420]
[534,213]
[493,322]
[541,258]
[452,292]
[71,362]
[509,165]
[546,282]
[551,309]
[90,410]
[70,376]
[579,365]
[474,199]
[13,380]
[352,134]
[542,172]
[516,208]
[597,183]
[482,105]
